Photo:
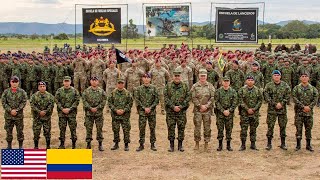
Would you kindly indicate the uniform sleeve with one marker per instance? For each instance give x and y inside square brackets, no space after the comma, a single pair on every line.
[57,100]
[129,103]
[137,97]
[295,97]
[286,95]
[167,99]
[77,100]
[23,101]
[210,102]
[33,104]
[234,102]
[104,100]
[111,102]
[195,100]
[267,96]
[217,101]
[51,104]
[260,99]
[5,105]
[242,104]
[185,103]
[315,98]
[156,99]
[86,105]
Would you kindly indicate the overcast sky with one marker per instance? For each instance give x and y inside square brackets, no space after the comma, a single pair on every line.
[59,11]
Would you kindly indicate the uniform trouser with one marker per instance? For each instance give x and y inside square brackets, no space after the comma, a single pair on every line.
[282,121]
[161,97]
[57,85]
[245,122]
[89,122]
[197,120]
[176,120]
[38,124]
[307,121]
[142,128]
[3,85]
[224,122]
[63,122]
[8,126]
[31,87]
[126,127]
[80,78]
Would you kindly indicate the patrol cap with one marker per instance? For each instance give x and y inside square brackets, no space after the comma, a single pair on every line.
[120,80]
[314,58]
[250,77]
[256,64]
[67,78]
[177,71]
[305,59]
[146,75]
[306,73]
[225,78]
[271,57]
[276,72]
[94,78]
[42,83]
[203,72]
[14,79]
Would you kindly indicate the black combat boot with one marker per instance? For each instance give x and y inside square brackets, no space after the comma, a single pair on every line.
[36,144]
[48,144]
[298,147]
[171,146]
[229,146]
[20,144]
[140,148]
[115,146]
[220,146]
[9,144]
[126,146]
[89,145]
[62,145]
[253,146]
[100,146]
[243,145]
[153,147]
[74,144]
[269,145]
[180,147]
[309,147]
[283,143]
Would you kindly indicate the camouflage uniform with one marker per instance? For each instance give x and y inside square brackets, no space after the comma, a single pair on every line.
[67,98]
[120,99]
[133,78]
[42,102]
[110,79]
[79,67]
[147,97]
[97,68]
[213,77]
[258,78]
[31,80]
[287,75]
[225,100]
[236,77]
[60,72]
[3,77]
[186,75]
[14,100]
[267,70]
[94,98]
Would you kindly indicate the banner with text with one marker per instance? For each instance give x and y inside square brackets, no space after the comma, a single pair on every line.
[101,25]
[167,20]
[237,25]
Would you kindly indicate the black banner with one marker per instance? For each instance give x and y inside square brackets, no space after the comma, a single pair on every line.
[237,25]
[101,25]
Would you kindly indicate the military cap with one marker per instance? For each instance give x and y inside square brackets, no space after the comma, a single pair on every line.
[146,75]
[120,80]
[271,57]
[203,72]
[226,78]
[314,58]
[250,77]
[255,63]
[42,83]
[305,73]
[276,72]
[177,71]
[263,53]
[66,78]
[304,59]
[280,57]
[94,78]
[14,78]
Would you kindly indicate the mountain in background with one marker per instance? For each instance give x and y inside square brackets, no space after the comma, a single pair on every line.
[42,28]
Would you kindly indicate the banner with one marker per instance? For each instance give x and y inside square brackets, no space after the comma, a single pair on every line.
[237,25]
[121,58]
[101,25]
[167,20]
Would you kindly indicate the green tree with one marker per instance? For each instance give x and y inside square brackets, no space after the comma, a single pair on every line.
[61,36]
[130,31]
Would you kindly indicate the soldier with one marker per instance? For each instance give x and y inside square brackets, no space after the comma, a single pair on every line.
[79,67]
[94,100]
[236,76]
[257,75]
[250,101]
[133,77]
[202,94]
[60,72]
[67,99]
[305,97]
[120,102]
[42,103]
[268,68]
[32,71]
[147,99]
[226,101]
[14,100]
[97,68]
[176,97]
[186,73]
[3,76]
[159,76]
[277,94]
[213,75]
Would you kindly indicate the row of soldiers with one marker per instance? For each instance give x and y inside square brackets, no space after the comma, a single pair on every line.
[206,99]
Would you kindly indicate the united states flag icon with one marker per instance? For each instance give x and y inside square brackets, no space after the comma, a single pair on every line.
[23,164]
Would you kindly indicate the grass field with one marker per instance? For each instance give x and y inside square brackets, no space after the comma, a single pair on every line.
[29,45]
[262,164]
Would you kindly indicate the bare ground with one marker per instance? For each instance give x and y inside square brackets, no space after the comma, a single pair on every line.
[263,164]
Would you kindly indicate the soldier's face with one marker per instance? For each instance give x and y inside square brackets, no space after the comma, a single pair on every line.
[225,84]
[66,83]
[94,83]
[14,84]
[42,88]
[255,68]
[146,80]
[203,78]
[304,79]
[250,82]
[276,77]
[177,78]
[120,85]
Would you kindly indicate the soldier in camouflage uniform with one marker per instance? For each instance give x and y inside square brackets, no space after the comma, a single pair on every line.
[305,67]
[94,100]
[60,72]
[277,94]
[147,99]
[236,76]
[133,77]
[176,97]
[213,75]
[268,68]
[202,94]
[159,77]
[226,101]
[186,73]
[120,102]
[67,99]
[250,101]
[97,66]
[305,97]
[79,67]
[14,100]
[42,103]
[31,81]
[3,76]
[257,75]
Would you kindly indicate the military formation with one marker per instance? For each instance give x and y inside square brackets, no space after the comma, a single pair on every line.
[171,78]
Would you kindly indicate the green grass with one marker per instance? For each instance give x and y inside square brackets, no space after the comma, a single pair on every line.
[29,45]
